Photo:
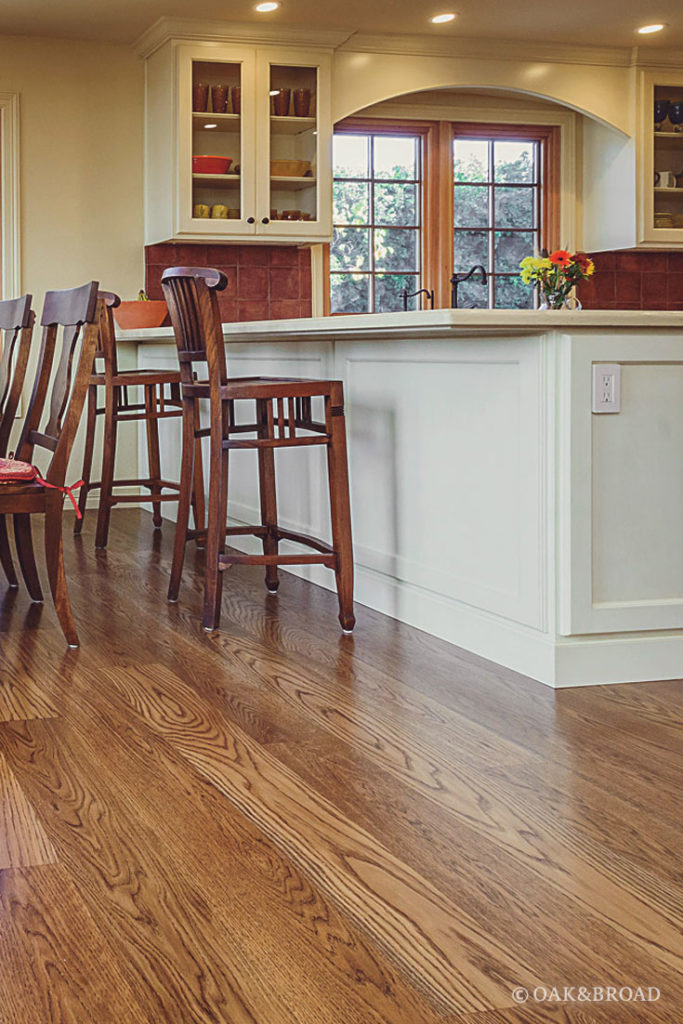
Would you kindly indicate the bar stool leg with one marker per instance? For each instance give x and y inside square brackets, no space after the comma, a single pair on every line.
[188,486]
[6,555]
[153,452]
[108,460]
[198,499]
[215,537]
[268,496]
[27,560]
[87,456]
[340,509]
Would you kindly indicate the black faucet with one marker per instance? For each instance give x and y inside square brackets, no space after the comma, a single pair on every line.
[411,295]
[459,278]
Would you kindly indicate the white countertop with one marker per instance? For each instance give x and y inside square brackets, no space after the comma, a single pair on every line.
[436,323]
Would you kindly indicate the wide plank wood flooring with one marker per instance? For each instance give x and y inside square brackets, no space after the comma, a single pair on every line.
[278,824]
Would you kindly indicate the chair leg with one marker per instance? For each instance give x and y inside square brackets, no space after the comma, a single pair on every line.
[27,560]
[198,500]
[108,462]
[153,455]
[54,556]
[6,555]
[215,536]
[268,495]
[340,508]
[87,456]
[188,485]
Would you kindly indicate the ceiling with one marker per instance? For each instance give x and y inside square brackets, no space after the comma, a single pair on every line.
[602,23]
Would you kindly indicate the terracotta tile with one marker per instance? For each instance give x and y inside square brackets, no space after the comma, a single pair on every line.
[305,308]
[284,284]
[284,256]
[629,261]
[228,309]
[305,283]
[252,310]
[628,305]
[253,282]
[254,256]
[674,287]
[187,255]
[675,262]
[654,263]
[222,255]
[605,261]
[153,282]
[654,291]
[304,257]
[231,274]
[160,255]
[284,309]
[628,288]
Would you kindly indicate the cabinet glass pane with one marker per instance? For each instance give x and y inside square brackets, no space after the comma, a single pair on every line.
[667,169]
[216,136]
[293,142]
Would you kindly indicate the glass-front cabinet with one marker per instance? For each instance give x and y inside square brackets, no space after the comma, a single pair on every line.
[661,163]
[250,150]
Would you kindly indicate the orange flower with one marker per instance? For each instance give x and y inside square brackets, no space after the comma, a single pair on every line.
[561,258]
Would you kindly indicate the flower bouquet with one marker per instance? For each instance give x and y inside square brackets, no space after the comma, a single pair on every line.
[555,275]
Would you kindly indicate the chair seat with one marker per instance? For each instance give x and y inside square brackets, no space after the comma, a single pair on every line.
[138,378]
[264,387]
[14,490]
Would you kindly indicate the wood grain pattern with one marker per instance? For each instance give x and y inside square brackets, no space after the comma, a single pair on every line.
[281,826]
[22,839]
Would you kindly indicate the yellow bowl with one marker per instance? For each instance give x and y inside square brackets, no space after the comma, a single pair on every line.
[289,168]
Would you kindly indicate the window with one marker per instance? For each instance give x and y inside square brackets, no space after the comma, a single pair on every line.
[376,252]
[415,202]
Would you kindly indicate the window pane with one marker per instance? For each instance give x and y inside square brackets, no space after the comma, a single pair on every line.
[350,249]
[389,292]
[512,293]
[395,157]
[470,160]
[349,293]
[515,207]
[396,249]
[514,161]
[351,202]
[473,294]
[471,206]
[351,156]
[471,247]
[395,204]
[510,248]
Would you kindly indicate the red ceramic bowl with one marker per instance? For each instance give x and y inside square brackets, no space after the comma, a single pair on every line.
[131,316]
[210,164]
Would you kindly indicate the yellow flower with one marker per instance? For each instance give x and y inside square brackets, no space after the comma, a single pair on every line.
[590,269]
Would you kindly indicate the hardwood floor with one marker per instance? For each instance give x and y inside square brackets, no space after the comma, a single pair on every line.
[279,824]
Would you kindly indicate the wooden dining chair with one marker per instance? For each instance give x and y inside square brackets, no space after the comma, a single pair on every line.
[69,318]
[282,419]
[161,400]
[16,332]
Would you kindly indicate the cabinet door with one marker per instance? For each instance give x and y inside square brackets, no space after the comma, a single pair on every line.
[294,141]
[661,159]
[216,108]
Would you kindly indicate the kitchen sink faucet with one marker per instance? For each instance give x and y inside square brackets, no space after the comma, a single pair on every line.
[459,278]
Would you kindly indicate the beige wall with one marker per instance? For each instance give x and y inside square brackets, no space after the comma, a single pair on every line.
[81,132]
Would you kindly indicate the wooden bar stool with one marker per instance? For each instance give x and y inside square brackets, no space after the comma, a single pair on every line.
[119,408]
[69,318]
[283,419]
[16,330]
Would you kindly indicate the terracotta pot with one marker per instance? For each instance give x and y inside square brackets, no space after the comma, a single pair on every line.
[219,98]
[281,102]
[302,102]
[131,316]
[200,96]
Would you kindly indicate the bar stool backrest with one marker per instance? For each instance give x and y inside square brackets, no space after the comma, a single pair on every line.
[106,343]
[16,331]
[69,316]
[190,294]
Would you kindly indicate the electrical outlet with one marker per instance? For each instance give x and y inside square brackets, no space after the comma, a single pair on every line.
[606,387]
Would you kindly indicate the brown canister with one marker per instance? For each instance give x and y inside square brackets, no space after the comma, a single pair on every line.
[200,96]
[302,102]
[281,102]
[219,98]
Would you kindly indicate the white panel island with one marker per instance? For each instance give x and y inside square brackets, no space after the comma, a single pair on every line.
[491,507]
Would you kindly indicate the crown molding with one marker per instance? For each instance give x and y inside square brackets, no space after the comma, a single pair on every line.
[486,49]
[647,58]
[194,30]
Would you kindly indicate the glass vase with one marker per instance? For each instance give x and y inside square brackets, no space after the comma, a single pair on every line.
[557,300]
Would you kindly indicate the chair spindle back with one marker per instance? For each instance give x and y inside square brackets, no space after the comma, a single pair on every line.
[190,294]
[16,330]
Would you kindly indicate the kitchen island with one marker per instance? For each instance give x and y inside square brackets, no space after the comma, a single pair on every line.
[491,506]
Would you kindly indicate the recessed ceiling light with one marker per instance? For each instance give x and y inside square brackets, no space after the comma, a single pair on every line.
[647,29]
[274,92]
[267,7]
[441,19]
[211,126]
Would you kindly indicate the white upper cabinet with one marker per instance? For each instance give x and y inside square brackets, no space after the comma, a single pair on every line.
[660,165]
[261,115]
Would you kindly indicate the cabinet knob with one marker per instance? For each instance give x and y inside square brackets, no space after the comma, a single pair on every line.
[266,220]
[251,220]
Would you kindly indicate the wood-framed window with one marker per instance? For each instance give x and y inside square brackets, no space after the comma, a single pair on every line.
[417,200]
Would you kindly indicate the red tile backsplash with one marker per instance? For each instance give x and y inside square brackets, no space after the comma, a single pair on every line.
[635,279]
[264,282]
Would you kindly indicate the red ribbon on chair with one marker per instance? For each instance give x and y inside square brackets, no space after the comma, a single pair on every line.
[69,491]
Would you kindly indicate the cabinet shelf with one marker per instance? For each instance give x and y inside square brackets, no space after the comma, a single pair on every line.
[223,122]
[291,125]
[670,191]
[290,184]
[214,181]
[669,135]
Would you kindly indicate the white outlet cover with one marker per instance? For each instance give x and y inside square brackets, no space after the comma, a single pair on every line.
[600,372]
